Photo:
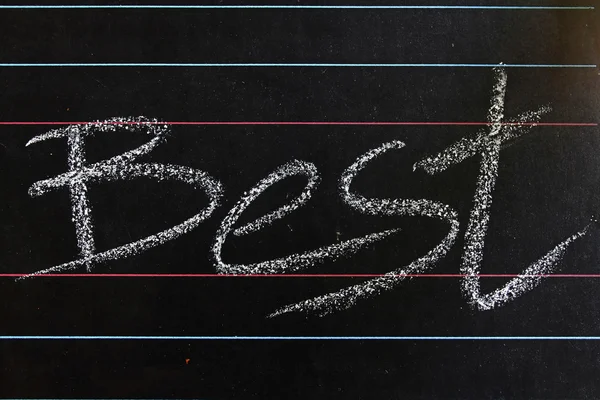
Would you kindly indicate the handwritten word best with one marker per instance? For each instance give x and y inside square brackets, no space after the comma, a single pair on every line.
[486,144]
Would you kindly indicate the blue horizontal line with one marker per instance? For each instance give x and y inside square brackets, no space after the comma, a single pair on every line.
[397,338]
[272,6]
[289,65]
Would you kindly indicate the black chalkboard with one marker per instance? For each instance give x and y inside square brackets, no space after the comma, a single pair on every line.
[367,200]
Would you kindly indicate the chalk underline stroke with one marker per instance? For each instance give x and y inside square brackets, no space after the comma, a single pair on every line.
[359,338]
[304,123]
[288,65]
[290,7]
[283,275]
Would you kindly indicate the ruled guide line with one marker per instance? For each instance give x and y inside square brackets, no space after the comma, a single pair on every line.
[292,7]
[288,276]
[296,338]
[304,123]
[286,65]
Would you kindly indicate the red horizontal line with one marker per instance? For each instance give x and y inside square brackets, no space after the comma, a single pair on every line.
[300,123]
[89,275]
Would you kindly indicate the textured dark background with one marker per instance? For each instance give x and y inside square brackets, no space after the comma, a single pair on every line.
[546,191]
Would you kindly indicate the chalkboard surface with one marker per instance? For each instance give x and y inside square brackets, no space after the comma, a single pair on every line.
[300,200]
